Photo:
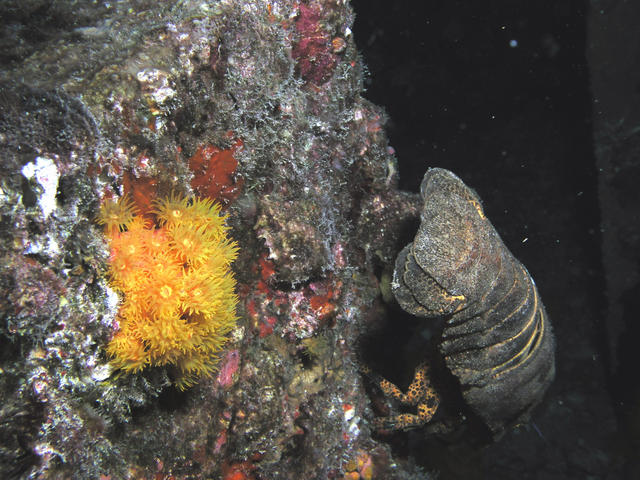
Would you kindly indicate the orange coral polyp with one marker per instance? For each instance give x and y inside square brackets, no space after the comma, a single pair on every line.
[178,291]
[171,209]
[116,215]
[190,244]
[128,352]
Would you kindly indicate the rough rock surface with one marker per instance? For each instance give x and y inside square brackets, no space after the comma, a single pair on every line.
[257,105]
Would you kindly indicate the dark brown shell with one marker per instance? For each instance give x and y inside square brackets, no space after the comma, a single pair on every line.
[497,339]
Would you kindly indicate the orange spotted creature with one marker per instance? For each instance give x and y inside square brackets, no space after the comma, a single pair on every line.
[419,394]
[496,339]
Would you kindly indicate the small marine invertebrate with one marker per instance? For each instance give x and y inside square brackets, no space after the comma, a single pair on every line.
[496,340]
[116,215]
[178,291]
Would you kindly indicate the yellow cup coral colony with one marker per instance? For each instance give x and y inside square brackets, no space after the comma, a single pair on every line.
[178,302]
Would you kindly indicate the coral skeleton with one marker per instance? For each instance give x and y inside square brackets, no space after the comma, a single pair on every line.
[179,302]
